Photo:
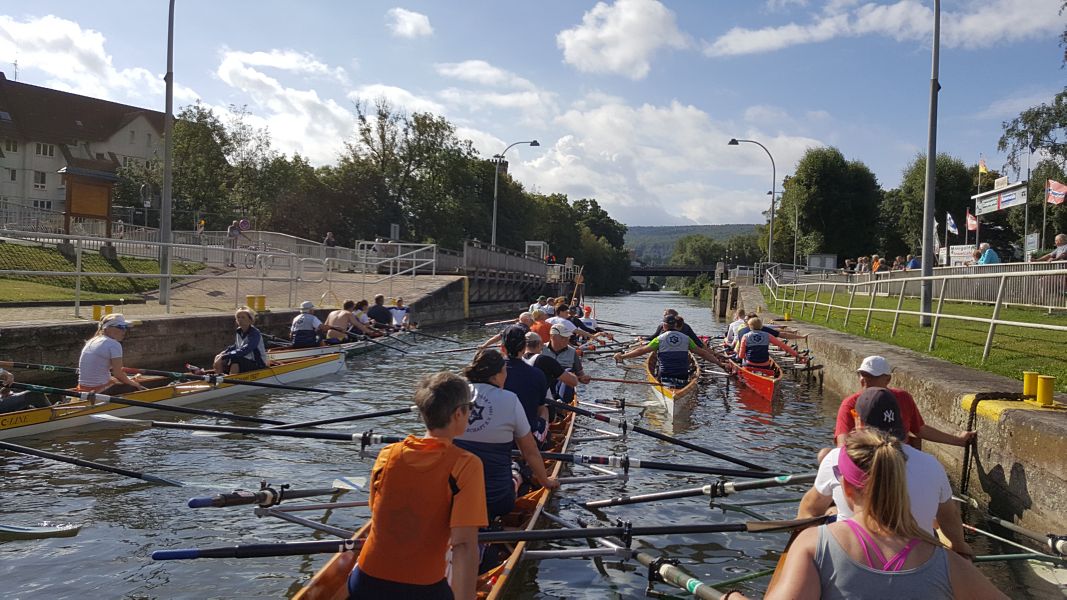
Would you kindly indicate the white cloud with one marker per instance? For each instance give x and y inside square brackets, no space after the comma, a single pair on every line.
[658,164]
[480,71]
[779,5]
[299,119]
[621,38]
[396,96]
[408,24]
[1009,107]
[974,26]
[73,59]
[485,143]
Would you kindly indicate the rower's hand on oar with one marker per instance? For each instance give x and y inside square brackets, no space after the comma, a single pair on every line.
[618,357]
[550,484]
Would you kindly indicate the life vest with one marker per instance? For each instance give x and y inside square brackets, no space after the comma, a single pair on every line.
[757,347]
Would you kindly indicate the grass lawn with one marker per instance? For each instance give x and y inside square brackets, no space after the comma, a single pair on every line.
[25,291]
[33,258]
[1014,350]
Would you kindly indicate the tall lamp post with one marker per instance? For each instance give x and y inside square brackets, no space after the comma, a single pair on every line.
[926,289]
[496,181]
[168,143]
[774,180]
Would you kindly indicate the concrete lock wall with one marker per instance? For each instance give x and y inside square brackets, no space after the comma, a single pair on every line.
[168,342]
[1019,471]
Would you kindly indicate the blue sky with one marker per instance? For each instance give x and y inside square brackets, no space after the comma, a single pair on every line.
[633,101]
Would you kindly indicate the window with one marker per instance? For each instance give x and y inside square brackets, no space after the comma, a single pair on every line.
[39,180]
[11,174]
[133,136]
[100,156]
[45,204]
[148,138]
[46,149]
[11,146]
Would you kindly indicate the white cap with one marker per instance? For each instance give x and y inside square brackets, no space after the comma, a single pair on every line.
[560,330]
[875,366]
[115,320]
[306,305]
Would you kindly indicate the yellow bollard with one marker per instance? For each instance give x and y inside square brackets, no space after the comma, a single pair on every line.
[250,301]
[98,311]
[787,316]
[261,303]
[108,309]
[1045,384]
[1030,383]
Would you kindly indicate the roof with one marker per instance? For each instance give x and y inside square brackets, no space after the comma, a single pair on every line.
[47,115]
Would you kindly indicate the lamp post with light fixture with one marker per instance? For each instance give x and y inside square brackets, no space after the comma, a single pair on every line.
[774,180]
[496,177]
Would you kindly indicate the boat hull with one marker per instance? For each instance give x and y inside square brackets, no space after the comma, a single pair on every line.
[678,402]
[349,349]
[764,384]
[59,416]
[331,581]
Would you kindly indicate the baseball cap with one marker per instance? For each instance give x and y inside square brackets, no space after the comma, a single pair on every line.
[878,408]
[514,340]
[541,298]
[306,305]
[533,338]
[558,329]
[875,366]
[670,320]
[116,320]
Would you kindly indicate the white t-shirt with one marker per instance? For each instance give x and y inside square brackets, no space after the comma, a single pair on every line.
[94,366]
[362,317]
[1060,253]
[400,313]
[928,485]
[305,322]
[567,325]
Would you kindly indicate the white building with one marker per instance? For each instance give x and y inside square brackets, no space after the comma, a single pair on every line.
[44,130]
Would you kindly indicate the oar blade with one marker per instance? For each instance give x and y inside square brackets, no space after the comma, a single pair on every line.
[351,483]
[772,526]
[124,420]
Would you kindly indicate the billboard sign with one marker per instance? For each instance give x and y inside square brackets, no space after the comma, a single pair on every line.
[988,202]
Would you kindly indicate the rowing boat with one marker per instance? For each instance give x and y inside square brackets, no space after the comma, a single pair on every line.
[762,380]
[37,532]
[331,582]
[349,349]
[677,401]
[35,421]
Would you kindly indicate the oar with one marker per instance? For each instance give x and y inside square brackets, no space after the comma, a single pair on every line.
[629,381]
[333,546]
[218,379]
[394,338]
[627,462]
[370,415]
[617,324]
[655,434]
[449,351]
[501,322]
[367,338]
[719,489]
[88,463]
[366,438]
[265,497]
[105,399]
[434,337]
[38,367]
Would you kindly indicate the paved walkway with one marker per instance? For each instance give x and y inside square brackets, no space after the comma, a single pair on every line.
[222,292]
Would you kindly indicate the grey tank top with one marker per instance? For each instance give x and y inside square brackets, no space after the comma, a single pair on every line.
[843,578]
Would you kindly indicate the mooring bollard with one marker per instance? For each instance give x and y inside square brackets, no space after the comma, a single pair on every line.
[250,301]
[108,309]
[1030,383]
[1045,385]
[261,303]
[98,311]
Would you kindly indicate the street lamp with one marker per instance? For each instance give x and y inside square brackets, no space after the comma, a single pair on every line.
[774,179]
[496,177]
[926,288]
[168,145]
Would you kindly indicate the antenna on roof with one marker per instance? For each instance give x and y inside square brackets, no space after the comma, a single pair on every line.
[16,65]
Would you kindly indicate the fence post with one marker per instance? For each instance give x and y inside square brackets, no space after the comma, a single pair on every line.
[830,307]
[870,306]
[993,321]
[851,297]
[78,279]
[937,316]
[900,303]
[236,282]
[815,304]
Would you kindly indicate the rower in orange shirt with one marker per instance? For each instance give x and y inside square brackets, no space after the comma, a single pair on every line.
[426,494]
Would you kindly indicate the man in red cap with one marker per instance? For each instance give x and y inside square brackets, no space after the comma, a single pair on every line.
[875,372]
[928,488]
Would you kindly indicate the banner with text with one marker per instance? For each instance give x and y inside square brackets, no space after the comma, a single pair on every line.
[988,202]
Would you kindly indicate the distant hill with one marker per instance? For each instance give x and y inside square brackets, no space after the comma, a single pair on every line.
[655,244]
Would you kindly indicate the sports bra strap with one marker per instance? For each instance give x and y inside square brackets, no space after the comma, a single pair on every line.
[867,543]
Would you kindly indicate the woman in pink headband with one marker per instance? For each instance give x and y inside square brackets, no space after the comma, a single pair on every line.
[881,551]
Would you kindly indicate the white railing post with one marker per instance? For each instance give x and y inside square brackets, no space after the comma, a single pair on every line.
[78,279]
[993,322]
[937,316]
[900,303]
[830,307]
[851,297]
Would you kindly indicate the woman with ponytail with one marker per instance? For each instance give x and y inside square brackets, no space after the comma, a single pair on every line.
[880,552]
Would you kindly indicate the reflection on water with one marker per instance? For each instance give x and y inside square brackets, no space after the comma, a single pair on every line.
[125,520]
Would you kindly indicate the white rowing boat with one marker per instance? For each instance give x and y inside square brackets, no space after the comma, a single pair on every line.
[678,402]
[349,349]
[35,421]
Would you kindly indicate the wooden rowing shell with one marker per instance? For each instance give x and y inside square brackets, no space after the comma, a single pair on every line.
[35,421]
[37,532]
[678,402]
[331,581]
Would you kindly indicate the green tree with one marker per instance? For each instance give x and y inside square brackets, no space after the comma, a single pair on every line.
[600,222]
[953,189]
[201,169]
[1042,127]
[837,203]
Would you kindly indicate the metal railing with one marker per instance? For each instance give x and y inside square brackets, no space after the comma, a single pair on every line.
[1050,282]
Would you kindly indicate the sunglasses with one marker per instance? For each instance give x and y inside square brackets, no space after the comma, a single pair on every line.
[122,327]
